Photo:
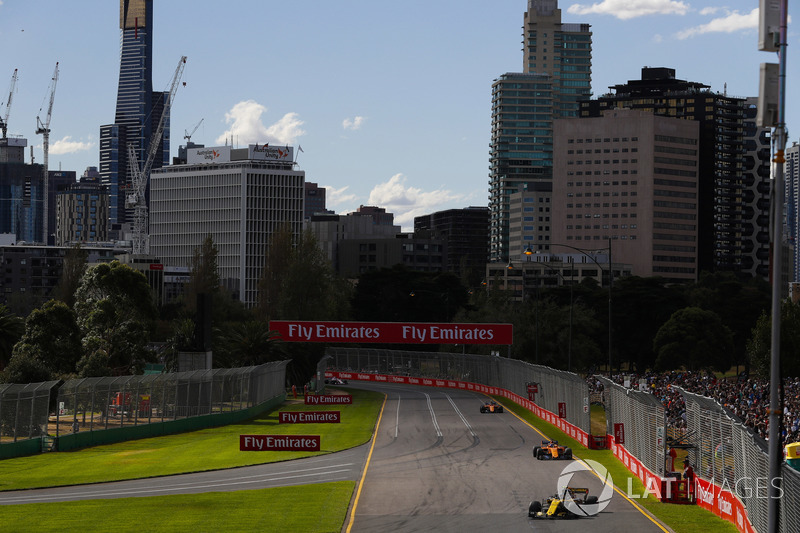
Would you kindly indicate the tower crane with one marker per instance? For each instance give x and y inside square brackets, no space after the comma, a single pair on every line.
[43,128]
[4,118]
[188,136]
[140,176]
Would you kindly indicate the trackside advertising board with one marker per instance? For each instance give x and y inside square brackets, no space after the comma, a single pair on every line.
[279,443]
[392,332]
[309,417]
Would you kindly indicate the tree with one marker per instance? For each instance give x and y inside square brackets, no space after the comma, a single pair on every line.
[72,271]
[204,276]
[298,282]
[694,339]
[759,346]
[248,343]
[52,338]
[116,314]
[11,329]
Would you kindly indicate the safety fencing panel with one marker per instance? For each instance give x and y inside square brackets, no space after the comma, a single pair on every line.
[24,410]
[638,419]
[562,393]
[732,458]
[94,404]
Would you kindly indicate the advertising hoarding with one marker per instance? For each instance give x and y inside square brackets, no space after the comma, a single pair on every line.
[392,332]
[214,154]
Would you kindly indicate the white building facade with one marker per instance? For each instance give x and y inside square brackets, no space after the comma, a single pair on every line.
[238,196]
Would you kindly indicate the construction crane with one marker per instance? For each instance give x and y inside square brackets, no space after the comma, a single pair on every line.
[140,176]
[4,119]
[188,136]
[43,128]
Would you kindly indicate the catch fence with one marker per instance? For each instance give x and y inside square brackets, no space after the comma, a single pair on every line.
[94,404]
[731,456]
[555,389]
[24,410]
[644,422]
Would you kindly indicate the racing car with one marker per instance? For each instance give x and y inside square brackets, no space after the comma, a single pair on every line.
[550,449]
[335,381]
[570,504]
[491,407]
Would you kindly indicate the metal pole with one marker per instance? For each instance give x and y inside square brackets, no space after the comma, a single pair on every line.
[610,284]
[571,285]
[775,455]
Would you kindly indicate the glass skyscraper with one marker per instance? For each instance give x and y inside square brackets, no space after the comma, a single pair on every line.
[138,107]
[557,73]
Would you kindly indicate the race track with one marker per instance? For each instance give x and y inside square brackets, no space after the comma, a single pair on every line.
[436,464]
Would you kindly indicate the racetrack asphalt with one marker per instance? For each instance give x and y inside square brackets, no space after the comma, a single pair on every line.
[436,464]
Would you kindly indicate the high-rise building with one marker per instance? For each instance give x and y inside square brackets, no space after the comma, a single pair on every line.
[756,182]
[21,198]
[792,201]
[238,196]
[81,211]
[138,109]
[464,232]
[629,178]
[557,72]
[315,200]
[723,196]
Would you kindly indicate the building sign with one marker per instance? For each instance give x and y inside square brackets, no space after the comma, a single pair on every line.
[309,417]
[329,399]
[392,332]
[215,154]
[619,433]
[265,152]
[279,443]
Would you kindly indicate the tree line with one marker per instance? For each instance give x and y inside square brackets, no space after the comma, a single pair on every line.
[105,320]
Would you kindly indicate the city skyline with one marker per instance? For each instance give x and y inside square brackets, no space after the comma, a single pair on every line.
[390,103]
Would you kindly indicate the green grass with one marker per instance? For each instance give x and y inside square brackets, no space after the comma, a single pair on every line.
[317,508]
[207,449]
[681,518]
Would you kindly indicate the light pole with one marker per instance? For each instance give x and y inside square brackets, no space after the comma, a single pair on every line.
[586,253]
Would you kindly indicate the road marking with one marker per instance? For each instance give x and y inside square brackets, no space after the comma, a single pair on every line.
[433,416]
[366,465]
[616,489]
[472,432]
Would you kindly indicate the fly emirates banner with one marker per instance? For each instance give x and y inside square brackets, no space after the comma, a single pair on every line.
[392,332]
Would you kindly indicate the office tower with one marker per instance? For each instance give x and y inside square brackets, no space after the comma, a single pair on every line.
[138,109]
[629,177]
[756,182]
[792,202]
[21,198]
[315,200]
[722,198]
[82,211]
[240,199]
[556,75]
[464,232]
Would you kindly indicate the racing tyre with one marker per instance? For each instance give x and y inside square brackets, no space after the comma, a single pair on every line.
[567,453]
[483,409]
[536,451]
[534,508]
[591,500]
[499,409]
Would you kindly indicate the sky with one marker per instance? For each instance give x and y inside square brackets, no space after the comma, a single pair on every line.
[389,101]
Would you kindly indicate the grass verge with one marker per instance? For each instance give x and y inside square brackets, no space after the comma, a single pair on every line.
[319,508]
[680,518]
[207,449]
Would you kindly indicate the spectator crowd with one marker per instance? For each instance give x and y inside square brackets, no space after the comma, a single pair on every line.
[745,397]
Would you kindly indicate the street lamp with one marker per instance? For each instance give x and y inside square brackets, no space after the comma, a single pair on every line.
[610,286]
[528,253]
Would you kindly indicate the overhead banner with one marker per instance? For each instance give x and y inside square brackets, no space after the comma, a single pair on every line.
[392,332]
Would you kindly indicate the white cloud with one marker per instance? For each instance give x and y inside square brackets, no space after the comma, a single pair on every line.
[67,146]
[246,126]
[732,22]
[408,202]
[628,9]
[354,124]
[339,197]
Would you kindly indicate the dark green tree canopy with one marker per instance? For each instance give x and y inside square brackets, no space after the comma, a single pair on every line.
[694,339]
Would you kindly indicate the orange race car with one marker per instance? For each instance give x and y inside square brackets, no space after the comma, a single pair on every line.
[491,407]
[550,449]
